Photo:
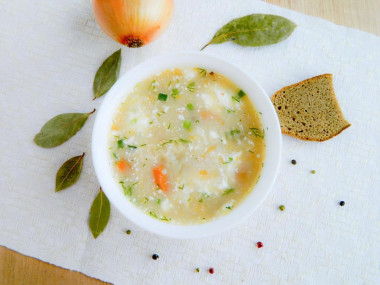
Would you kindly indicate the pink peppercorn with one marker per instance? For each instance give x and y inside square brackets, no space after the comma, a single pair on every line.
[211,270]
[260,244]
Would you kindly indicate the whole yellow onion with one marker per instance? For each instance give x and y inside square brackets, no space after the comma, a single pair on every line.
[133,23]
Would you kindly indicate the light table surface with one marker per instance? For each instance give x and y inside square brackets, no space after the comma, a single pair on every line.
[19,269]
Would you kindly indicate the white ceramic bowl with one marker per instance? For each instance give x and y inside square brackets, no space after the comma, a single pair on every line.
[102,160]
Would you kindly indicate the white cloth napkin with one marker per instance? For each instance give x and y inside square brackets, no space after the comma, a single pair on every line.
[49,53]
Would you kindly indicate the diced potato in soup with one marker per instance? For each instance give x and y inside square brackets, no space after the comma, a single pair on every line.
[187,146]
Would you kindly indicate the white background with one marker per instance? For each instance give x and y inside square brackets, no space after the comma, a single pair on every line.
[49,53]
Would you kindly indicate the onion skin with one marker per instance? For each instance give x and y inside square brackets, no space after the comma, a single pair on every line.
[133,23]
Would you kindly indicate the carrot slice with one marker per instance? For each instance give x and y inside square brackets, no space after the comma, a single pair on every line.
[161,178]
[123,165]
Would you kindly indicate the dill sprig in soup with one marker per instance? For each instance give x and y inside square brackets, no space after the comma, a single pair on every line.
[187,146]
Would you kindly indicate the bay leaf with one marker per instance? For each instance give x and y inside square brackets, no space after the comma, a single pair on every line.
[254,30]
[107,74]
[60,129]
[99,214]
[69,173]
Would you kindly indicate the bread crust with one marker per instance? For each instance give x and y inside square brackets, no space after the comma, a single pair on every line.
[315,140]
[330,77]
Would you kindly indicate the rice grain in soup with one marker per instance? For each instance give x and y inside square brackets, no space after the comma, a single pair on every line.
[187,146]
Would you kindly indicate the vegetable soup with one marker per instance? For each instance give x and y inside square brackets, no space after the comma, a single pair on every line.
[187,146]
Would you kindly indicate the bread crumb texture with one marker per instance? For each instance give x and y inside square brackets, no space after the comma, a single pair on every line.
[308,110]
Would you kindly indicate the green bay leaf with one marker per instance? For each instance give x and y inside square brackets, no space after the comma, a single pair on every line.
[69,173]
[60,129]
[107,74]
[254,30]
[99,214]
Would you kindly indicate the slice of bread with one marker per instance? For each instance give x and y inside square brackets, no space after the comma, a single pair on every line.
[308,110]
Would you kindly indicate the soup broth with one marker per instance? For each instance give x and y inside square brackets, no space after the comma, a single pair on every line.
[187,146]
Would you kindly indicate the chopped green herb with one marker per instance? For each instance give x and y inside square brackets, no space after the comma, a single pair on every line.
[159,201]
[162,97]
[191,86]
[143,165]
[115,155]
[241,93]
[175,92]
[233,132]
[153,84]
[184,141]
[123,185]
[229,207]
[146,199]
[197,121]
[187,124]
[251,151]
[165,219]
[159,114]
[262,164]
[260,113]
[282,208]
[128,232]
[235,99]
[230,111]
[190,106]
[181,187]
[169,141]
[169,126]
[151,122]
[228,191]
[200,200]
[202,72]
[132,146]
[197,270]
[143,144]
[134,121]
[170,83]
[230,159]
[127,190]
[153,214]
[120,144]
[258,179]
[257,132]
[313,172]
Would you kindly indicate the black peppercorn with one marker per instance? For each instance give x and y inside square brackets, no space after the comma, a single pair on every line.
[342,203]
[294,162]
[155,256]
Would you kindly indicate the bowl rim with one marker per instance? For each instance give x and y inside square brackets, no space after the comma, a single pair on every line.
[119,92]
